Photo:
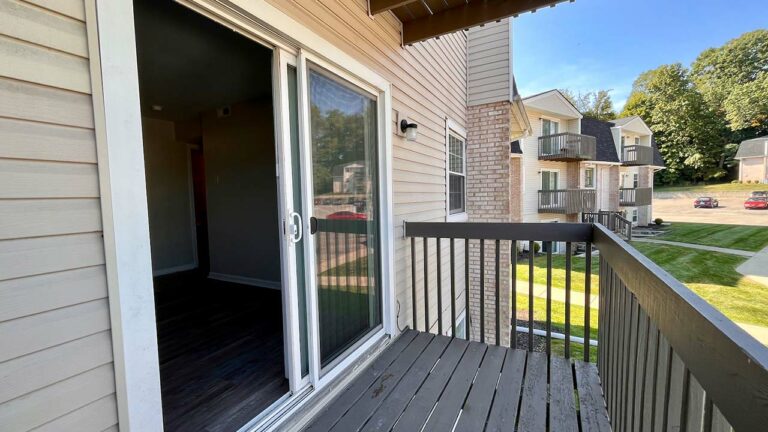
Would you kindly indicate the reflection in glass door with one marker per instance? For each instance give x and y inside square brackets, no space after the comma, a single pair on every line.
[345,223]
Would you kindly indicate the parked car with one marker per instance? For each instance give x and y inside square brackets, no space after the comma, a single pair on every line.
[756,202]
[347,215]
[757,194]
[705,202]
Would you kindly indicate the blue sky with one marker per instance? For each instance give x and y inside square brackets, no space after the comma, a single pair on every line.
[605,44]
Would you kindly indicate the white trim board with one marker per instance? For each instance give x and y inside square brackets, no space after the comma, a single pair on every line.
[244,280]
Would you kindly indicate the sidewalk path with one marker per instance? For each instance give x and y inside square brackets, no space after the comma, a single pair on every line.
[756,268]
[757,332]
[700,247]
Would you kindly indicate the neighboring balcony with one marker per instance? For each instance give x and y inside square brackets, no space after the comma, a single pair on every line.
[634,197]
[567,147]
[637,155]
[567,201]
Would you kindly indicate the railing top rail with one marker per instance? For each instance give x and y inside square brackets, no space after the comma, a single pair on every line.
[563,232]
[730,365]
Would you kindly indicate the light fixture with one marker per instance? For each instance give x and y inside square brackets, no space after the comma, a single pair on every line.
[409,129]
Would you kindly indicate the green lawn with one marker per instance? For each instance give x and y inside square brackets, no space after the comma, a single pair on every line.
[744,237]
[558,323]
[713,276]
[578,266]
[720,187]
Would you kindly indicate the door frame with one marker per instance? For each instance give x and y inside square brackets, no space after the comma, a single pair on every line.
[117,117]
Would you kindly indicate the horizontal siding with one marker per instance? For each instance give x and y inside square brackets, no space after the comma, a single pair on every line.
[489,55]
[428,85]
[56,366]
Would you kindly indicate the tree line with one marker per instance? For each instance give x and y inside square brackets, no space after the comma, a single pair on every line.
[699,113]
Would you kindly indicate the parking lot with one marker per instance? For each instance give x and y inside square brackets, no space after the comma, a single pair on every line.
[731,211]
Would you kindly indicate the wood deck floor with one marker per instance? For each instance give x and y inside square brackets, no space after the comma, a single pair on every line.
[436,383]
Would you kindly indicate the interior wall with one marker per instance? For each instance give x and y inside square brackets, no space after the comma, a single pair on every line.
[171,226]
[243,222]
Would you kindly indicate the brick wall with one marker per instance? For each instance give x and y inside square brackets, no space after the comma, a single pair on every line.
[488,200]
[516,189]
[613,180]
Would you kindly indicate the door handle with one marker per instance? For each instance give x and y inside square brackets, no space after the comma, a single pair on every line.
[297,231]
[312,225]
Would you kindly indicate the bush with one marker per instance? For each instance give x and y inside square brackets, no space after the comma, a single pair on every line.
[536,247]
[658,221]
[735,182]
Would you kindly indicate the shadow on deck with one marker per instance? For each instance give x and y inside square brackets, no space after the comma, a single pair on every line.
[437,383]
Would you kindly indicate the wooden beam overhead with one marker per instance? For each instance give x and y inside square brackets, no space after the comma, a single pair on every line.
[379,6]
[467,15]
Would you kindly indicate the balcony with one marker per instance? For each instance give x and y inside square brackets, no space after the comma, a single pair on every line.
[637,155]
[567,147]
[634,197]
[567,201]
[664,360]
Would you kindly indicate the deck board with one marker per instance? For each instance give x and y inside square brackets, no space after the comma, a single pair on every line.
[436,383]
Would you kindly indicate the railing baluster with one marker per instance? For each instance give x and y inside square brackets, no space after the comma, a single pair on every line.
[426,284]
[530,295]
[568,246]
[466,290]
[549,299]
[482,290]
[413,281]
[439,289]
[587,299]
[513,297]
[453,291]
[498,307]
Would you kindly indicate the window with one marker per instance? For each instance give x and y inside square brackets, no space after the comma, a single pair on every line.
[589,178]
[634,215]
[635,181]
[457,183]
[460,331]
[623,140]
[637,140]
[549,127]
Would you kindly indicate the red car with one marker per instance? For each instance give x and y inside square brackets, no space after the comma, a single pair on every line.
[755,203]
[705,202]
[347,215]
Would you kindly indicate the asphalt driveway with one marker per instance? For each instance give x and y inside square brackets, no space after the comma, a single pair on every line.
[731,211]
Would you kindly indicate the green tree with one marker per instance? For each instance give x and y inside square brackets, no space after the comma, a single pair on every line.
[690,135]
[596,105]
[733,80]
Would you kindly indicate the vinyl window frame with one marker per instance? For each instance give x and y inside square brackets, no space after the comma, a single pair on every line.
[454,129]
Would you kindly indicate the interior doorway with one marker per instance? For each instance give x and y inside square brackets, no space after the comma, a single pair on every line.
[214,217]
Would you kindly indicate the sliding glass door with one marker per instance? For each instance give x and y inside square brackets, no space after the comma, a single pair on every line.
[343,129]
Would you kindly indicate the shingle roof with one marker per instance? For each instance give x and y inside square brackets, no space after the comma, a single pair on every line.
[514,147]
[601,130]
[623,121]
[752,147]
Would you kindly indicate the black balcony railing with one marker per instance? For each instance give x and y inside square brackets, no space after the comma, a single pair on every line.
[667,360]
[636,155]
[567,147]
[567,201]
[633,197]
[612,220]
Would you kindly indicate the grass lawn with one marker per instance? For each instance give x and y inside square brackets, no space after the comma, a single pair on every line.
[720,187]
[750,238]
[578,266]
[713,276]
[558,323]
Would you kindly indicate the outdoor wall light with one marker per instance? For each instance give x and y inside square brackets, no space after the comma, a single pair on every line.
[409,129]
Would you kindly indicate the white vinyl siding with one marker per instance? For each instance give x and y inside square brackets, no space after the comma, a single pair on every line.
[56,370]
[489,63]
[428,85]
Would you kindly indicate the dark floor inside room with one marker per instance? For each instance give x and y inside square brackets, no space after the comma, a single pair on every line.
[221,351]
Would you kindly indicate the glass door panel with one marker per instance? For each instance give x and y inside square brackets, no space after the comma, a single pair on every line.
[345,223]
